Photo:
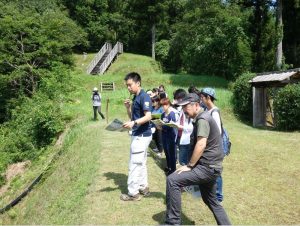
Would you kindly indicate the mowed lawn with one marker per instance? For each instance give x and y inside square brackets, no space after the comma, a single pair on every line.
[261,176]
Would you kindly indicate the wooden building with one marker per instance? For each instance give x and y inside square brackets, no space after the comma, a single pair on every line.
[262,103]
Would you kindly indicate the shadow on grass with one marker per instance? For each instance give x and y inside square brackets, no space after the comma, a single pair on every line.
[160,162]
[160,218]
[120,180]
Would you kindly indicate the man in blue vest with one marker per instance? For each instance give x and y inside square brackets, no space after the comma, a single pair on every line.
[139,112]
[203,168]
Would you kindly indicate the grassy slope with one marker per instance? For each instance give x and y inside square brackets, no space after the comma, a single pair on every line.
[261,176]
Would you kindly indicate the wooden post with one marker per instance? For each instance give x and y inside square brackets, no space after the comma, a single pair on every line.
[259,108]
[106,111]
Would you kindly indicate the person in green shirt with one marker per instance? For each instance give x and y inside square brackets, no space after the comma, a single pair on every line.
[203,168]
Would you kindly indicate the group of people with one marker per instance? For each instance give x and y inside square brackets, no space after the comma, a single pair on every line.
[197,135]
[169,139]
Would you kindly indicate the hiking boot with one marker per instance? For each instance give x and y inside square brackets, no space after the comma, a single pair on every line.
[126,197]
[145,192]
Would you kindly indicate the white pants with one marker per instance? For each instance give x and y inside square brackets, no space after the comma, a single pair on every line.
[137,175]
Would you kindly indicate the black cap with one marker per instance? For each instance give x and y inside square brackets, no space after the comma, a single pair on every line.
[189,98]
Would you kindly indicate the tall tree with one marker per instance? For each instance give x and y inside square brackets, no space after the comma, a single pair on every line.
[103,20]
[291,30]
[211,39]
[150,20]
[279,27]
[262,31]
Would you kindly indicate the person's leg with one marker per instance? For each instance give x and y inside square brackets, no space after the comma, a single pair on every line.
[155,137]
[172,153]
[175,182]
[184,154]
[166,150]
[100,113]
[143,179]
[95,112]
[137,153]
[159,141]
[219,188]
[208,192]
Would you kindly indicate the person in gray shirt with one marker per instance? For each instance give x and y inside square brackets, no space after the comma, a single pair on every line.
[203,168]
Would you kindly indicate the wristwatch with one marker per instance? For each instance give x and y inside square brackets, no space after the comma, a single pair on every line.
[189,166]
[135,123]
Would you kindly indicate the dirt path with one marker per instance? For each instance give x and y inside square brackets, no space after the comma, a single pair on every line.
[102,203]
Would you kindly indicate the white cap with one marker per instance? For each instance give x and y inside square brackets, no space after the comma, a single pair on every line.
[95,89]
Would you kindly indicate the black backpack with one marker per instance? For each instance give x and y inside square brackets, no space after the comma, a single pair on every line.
[97,98]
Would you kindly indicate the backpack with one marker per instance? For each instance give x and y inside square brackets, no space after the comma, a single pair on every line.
[96,97]
[225,136]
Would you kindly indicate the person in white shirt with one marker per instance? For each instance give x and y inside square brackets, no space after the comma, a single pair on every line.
[185,128]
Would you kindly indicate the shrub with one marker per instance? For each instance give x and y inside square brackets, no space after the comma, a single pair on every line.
[287,107]
[3,164]
[162,51]
[35,122]
[242,96]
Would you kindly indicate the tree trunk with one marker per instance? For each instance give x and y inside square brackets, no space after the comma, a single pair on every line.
[280,30]
[153,41]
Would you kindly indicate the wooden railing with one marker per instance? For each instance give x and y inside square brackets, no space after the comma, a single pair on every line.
[118,48]
[106,47]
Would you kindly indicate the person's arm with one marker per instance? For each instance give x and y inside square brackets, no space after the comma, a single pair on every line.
[140,121]
[197,153]
[173,117]
[146,103]
[127,105]
[203,131]
[198,150]
[144,119]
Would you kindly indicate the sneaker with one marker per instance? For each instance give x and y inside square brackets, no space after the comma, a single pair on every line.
[126,197]
[145,192]
[159,154]
[155,150]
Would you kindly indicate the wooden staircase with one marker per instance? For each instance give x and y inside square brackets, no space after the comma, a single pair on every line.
[104,58]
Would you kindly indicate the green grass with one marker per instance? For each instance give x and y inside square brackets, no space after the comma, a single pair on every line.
[261,175]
